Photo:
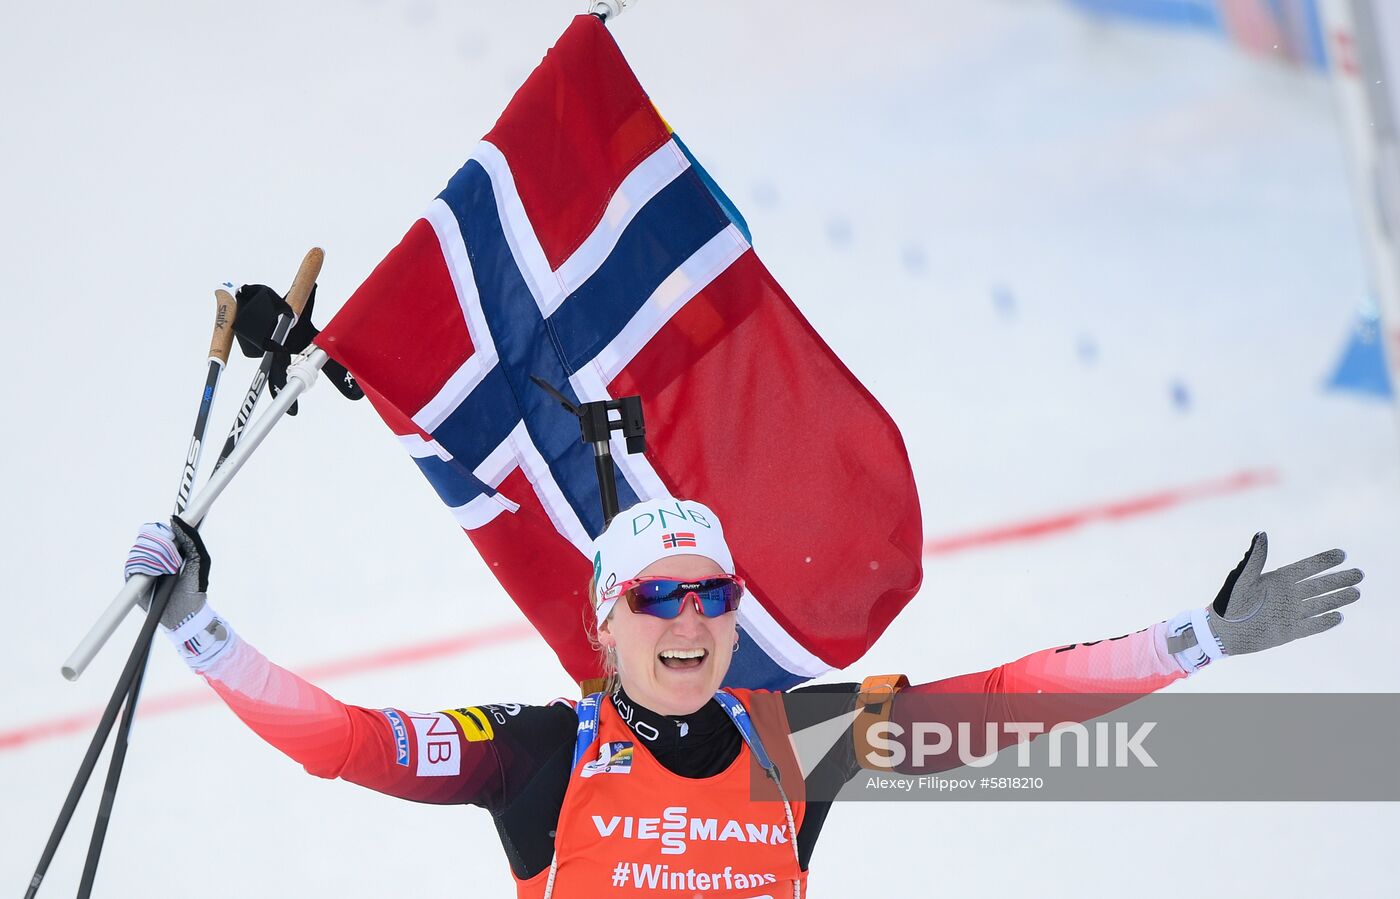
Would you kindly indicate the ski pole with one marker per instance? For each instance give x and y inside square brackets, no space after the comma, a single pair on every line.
[304,373]
[129,681]
[117,761]
[99,738]
[219,346]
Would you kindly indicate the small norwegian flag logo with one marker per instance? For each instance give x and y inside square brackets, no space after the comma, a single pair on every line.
[679,538]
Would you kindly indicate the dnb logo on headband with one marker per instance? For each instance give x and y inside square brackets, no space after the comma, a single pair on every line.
[678,539]
[644,520]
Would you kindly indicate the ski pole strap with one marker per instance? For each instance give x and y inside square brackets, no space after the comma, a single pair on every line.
[876,702]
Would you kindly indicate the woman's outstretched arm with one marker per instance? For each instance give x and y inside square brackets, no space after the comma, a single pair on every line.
[413,755]
[1252,612]
[465,755]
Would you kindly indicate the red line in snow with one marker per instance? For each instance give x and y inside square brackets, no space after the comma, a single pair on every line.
[1116,510]
[521,630]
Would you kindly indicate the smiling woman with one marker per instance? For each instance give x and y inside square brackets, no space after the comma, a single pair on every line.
[647,785]
[665,593]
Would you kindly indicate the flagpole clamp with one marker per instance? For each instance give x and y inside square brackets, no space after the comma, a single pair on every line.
[306,369]
[597,424]
[609,9]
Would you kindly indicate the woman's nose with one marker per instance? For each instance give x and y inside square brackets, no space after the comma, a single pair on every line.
[690,612]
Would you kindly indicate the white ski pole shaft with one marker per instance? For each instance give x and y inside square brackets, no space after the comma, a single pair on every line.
[300,376]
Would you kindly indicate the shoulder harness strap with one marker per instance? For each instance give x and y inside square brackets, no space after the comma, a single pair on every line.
[587,711]
[740,716]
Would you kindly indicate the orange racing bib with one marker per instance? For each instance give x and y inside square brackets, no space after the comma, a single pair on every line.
[631,828]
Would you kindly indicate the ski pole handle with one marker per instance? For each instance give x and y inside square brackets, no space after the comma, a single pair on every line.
[305,279]
[222,340]
[300,376]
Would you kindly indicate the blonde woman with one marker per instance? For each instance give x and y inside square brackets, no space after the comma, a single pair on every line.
[645,789]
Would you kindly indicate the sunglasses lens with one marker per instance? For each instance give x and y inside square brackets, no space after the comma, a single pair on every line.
[666,598]
[659,599]
[719,597]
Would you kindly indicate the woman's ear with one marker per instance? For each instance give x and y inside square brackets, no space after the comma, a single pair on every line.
[605,634]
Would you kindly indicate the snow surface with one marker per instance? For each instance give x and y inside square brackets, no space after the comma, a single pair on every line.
[1076,263]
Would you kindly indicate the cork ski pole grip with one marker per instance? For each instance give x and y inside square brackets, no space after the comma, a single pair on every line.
[305,280]
[224,315]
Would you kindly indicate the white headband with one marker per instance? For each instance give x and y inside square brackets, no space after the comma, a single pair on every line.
[649,531]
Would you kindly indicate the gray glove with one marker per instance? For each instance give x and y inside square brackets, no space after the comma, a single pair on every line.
[1255,610]
[178,551]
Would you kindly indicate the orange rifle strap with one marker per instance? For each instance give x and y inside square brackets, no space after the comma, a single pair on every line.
[876,702]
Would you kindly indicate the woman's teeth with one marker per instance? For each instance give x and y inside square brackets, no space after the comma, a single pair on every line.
[682,658]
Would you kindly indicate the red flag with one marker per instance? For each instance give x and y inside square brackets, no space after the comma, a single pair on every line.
[581,242]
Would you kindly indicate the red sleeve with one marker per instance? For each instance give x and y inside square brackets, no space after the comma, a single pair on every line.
[426,757]
[1054,686]
[1132,664]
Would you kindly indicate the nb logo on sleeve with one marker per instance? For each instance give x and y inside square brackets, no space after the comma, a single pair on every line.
[439,745]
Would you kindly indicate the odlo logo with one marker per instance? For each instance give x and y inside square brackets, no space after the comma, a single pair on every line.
[674,828]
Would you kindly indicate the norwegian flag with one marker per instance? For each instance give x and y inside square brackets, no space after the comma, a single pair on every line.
[582,243]
[677,540]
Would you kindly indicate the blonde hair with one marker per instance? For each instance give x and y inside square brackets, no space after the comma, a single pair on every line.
[607,655]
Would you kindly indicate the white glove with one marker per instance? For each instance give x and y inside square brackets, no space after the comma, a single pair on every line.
[177,550]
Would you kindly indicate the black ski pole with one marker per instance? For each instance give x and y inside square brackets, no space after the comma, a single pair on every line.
[99,738]
[300,291]
[129,683]
[219,347]
[118,759]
